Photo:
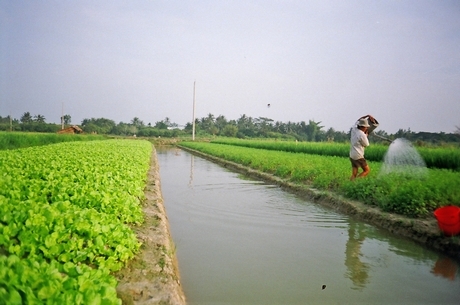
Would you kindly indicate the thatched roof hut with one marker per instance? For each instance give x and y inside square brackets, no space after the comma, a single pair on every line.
[72,130]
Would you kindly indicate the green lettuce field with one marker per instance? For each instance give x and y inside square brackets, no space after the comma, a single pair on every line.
[65,211]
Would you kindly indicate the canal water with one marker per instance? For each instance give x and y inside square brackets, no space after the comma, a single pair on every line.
[241,241]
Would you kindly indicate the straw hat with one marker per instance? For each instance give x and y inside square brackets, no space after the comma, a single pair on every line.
[363,123]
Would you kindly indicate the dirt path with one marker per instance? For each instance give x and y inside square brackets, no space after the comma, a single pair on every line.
[422,231]
[152,277]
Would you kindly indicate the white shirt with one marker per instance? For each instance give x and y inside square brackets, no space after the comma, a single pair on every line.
[359,141]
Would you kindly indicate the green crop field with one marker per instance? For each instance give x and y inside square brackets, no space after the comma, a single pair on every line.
[413,196]
[65,211]
[13,140]
[437,157]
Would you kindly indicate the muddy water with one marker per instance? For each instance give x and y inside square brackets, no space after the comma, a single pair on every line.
[241,241]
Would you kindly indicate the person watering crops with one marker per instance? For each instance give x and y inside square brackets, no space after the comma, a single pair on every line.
[359,142]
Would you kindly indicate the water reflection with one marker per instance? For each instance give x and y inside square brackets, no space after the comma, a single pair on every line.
[357,270]
[192,163]
[360,262]
[446,268]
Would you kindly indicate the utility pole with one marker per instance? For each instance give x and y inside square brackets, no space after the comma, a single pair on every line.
[62,116]
[193,124]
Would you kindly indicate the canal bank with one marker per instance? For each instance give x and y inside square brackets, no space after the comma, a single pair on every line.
[422,231]
[152,277]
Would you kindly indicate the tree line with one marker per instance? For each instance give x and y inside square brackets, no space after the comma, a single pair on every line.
[210,125]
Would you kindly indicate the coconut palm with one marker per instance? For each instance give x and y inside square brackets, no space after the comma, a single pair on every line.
[39,118]
[26,117]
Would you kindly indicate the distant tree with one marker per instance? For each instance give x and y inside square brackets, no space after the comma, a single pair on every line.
[402,133]
[263,125]
[7,123]
[67,119]
[26,118]
[121,129]
[246,126]
[167,121]
[313,131]
[39,118]
[89,127]
[5,120]
[330,135]
[230,130]
[213,130]
[288,127]
[220,122]
[161,125]
[188,127]
[100,125]
[137,122]
[207,124]
[132,130]
[279,127]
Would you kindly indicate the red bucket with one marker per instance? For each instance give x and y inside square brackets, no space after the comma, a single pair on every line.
[448,219]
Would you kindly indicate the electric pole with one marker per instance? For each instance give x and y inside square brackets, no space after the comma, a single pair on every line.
[62,116]
[193,122]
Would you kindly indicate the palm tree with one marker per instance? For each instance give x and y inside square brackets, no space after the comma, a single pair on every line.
[220,122]
[26,118]
[312,130]
[39,118]
[137,122]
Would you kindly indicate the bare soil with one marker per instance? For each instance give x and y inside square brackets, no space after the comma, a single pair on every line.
[152,277]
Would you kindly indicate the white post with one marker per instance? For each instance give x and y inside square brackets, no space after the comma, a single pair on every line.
[62,116]
[193,122]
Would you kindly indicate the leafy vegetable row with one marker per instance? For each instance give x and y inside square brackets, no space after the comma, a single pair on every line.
[13,140]
[442,157]
[404,194]
[64,215]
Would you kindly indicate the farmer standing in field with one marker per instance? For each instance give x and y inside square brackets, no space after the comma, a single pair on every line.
[359,141]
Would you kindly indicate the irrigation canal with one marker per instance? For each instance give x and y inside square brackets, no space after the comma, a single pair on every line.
[241,241]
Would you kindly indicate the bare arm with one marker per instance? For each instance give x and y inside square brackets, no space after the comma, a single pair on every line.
[368,116]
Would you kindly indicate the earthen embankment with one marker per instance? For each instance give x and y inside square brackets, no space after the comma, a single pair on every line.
[152,277]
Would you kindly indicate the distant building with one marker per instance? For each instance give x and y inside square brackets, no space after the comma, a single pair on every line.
[179,127]
[71,130]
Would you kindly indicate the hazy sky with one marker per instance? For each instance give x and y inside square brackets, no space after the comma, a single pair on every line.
[323,60]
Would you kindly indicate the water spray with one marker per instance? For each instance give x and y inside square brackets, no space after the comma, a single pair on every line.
[401,157]
[404,159]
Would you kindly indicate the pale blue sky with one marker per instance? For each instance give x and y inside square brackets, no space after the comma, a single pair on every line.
[329,61]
